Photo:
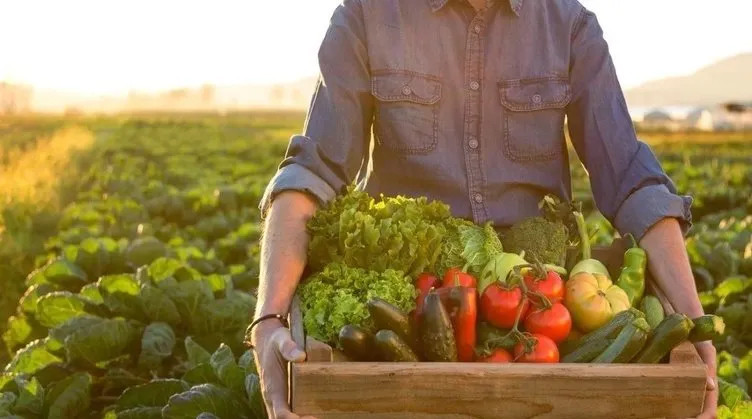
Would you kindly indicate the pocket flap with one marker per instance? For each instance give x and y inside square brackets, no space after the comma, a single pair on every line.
[406,86]
[534,94]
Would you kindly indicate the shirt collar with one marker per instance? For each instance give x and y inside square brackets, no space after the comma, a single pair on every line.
[515,5]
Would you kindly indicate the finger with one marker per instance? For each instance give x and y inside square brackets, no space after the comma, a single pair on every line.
[288,349]
[710,385]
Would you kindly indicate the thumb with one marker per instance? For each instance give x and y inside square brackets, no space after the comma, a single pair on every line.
[288,349]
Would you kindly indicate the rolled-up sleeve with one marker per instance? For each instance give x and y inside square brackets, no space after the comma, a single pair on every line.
[331,150]
[629,186]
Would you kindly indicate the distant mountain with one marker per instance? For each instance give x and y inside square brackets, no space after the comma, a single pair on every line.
[727,80]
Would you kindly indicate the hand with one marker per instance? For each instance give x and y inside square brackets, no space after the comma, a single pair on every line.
[707,353]
[274,347]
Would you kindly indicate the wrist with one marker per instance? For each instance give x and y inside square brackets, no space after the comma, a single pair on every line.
[263,329]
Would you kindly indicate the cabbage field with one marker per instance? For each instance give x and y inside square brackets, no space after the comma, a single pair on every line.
[129,259]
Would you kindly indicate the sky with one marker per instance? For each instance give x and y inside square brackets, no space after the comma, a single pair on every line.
[112,46]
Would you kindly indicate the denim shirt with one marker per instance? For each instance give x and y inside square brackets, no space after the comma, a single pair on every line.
[468,107]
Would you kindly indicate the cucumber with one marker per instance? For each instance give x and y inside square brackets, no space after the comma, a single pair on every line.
[630,341]
[588,351]
[653,310]
[356,343]
[436,333]
[388,317]
[672,331]
[392,348]
[607,331]
[707,327]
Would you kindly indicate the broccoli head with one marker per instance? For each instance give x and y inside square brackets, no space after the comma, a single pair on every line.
[542,240]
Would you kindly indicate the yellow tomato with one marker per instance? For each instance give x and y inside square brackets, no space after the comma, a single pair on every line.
[593,300]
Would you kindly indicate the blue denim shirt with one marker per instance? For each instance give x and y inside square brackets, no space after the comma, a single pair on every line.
[468,107]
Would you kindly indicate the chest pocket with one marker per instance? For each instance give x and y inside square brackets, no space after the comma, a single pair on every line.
[534,117]
[406,118]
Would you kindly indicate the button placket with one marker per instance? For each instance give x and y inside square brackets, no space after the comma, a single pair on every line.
[472,118]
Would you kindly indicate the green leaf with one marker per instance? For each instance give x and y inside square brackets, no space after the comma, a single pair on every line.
[163,268]
[196,353]
[207,398]
[253,392]
[189,297]
[65,273]
[7,401]
[158,306]
[731,394]
[224,315]
[74,324]
[200,374]
[227,370]
[30,396]
[58,307]
[732,287]
[140,413]
[103,341]
[155,393]
[91,293]
[247,362]
[18,332]
[69,398]
[157,344]
[31,358]
[30,298]
[121,295]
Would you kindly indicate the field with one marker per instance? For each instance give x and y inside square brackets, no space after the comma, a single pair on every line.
[106,219]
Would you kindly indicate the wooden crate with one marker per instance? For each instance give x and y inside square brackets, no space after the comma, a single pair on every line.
[327,387]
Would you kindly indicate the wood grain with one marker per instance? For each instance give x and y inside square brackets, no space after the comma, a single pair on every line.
[467,390]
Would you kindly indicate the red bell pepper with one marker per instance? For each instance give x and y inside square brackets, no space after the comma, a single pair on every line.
[462,305]
[454,277]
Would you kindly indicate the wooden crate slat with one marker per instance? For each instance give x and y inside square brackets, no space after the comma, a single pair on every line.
[461,390]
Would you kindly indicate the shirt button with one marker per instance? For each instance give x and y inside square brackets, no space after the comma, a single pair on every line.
[478,198]
[537,98]
[477,28]
[473,144]
[407,91]
[474,85]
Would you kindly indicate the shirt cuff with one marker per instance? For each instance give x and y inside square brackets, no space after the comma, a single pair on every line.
[296,178]
[650,204]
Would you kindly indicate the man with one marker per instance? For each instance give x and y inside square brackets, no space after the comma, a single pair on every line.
[467,101]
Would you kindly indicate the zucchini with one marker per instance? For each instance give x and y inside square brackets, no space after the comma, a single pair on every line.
[653,310]
[630,341]
[588,351]
[392,348]
[436,333]
[707,327]
[356,343]
[607,331]
[388,317]
[672,331]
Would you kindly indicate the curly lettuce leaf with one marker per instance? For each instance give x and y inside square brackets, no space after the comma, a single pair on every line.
[337,296]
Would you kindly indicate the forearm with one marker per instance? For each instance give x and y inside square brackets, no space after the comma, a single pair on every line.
[284,247]
[669,265]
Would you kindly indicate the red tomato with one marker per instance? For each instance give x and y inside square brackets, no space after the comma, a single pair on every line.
[456,277]
[554,322]
[544,351]
[423,284]
[551,286]
[499,355]
[499,306]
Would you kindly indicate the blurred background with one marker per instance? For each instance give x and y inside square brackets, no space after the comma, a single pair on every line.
[683,64]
